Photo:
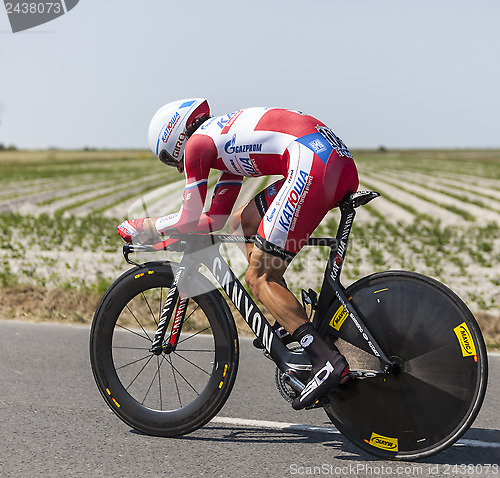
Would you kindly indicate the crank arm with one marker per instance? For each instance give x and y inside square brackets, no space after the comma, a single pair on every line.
[293,381]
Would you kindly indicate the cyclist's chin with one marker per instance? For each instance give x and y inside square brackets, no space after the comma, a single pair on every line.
[180,165]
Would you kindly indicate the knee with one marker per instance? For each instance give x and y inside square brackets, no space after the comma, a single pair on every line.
[245,220]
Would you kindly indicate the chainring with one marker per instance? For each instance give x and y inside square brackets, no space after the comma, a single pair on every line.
[285,390]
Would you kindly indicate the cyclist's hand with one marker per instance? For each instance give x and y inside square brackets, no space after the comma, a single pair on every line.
[131,229]
[139,231]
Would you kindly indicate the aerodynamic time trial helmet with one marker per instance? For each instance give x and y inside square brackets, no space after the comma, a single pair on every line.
[172,125]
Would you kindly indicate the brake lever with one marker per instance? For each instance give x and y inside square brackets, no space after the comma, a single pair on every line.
[129,249]
[178,246]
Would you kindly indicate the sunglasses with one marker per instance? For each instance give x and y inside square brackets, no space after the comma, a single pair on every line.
[167,159]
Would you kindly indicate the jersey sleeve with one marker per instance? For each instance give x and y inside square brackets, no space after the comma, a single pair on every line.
[199,154]
[225,193]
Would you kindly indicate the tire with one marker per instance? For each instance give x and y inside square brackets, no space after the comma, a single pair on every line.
[169,394]
[438,390]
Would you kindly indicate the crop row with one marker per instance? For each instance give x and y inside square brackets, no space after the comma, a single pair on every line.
[439,214]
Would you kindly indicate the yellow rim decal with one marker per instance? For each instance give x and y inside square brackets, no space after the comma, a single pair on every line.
[385,443]
[339,318]
[235,346]
[225,371]
[465,340]
[220,384]
[381,290]
[108,391]
[138,275]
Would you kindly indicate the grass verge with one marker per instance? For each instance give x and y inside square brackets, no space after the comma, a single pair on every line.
[72,306]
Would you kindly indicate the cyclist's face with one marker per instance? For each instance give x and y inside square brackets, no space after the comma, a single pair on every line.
[180,165]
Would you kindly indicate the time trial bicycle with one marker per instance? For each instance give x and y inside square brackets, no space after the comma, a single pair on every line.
[164,346]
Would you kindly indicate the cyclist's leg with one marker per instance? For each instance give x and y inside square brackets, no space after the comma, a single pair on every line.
[281,235]
[329,367]
[297,210]
[245,221]
[265,279]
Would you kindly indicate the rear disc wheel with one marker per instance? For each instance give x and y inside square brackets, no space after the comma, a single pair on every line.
[440,374]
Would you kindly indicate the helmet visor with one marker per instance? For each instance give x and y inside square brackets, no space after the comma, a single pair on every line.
[167,159]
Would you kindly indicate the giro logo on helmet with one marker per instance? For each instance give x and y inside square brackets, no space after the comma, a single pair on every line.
[178,145]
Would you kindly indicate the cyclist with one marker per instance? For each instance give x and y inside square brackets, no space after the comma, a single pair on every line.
[317,172]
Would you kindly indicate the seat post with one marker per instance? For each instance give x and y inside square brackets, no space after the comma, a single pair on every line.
[337,255]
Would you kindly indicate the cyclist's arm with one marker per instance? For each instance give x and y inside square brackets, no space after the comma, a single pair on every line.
[199,155]
[225,193]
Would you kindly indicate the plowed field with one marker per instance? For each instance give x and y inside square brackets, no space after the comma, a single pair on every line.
[439,214]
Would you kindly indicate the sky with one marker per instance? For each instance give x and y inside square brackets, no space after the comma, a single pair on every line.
[397,73]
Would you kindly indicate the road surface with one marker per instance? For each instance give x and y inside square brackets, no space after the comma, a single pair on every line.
[54,423]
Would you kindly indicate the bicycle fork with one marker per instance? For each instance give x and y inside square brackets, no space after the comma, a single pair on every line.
[158,345]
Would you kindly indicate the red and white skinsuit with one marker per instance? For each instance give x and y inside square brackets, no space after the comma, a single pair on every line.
[317,167]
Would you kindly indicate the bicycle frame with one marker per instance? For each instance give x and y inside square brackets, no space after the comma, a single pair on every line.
[204,249]
[331,283]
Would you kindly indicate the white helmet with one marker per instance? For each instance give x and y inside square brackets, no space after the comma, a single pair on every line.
[172,125]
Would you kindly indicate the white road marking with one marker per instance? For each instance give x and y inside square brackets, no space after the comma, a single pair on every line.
[328,430]
[275,425]
[478,443]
